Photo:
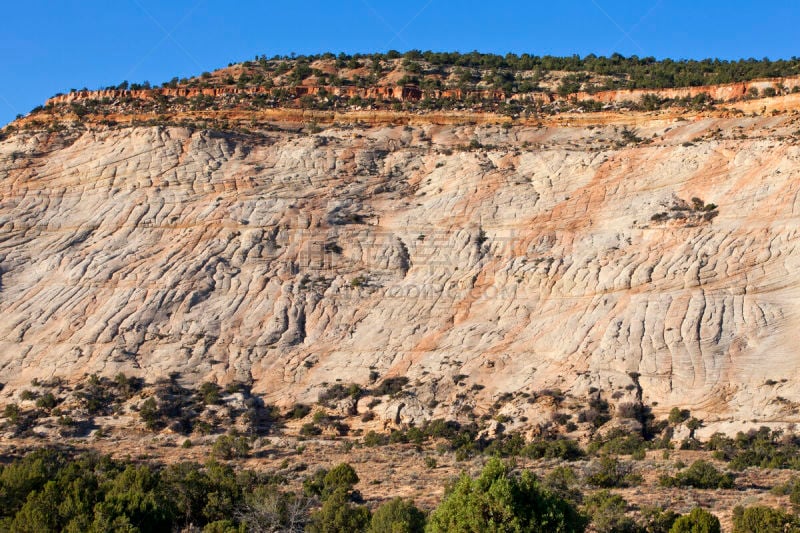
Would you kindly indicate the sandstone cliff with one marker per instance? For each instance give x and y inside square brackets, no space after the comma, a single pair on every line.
[477,261]
[721,93]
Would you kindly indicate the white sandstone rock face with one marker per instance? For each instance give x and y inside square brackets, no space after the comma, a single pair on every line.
[550,258]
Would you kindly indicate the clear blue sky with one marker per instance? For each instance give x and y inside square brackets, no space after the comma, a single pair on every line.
[54,45]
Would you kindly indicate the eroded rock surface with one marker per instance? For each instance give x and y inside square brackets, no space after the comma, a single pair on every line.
[558,257]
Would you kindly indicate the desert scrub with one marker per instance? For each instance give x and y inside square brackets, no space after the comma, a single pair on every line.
[700,475]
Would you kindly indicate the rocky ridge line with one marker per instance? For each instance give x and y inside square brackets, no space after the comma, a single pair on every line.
[723,93]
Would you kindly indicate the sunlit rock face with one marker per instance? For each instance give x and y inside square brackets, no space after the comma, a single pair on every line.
[659,262]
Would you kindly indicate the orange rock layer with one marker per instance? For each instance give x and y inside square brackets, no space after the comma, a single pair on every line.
[725,92]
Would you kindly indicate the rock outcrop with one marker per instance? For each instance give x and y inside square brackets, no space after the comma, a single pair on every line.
[399,93]
[722,93]
[516,259]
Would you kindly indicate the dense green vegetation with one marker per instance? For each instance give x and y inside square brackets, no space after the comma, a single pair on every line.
[499,501]
[48,490]
[54,491]
[101,494]
[763,448]
[697,521]
[429,72]
[760,519]
[499,71]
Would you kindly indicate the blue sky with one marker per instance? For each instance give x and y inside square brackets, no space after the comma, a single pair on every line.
[52,46]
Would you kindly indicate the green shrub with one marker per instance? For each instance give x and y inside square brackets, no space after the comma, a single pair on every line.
[338,392]
[697,521]
[701,475]
[678,416]
[132,500]
[618,442]
[320,417]
[27,395]
[609,472]
[23,476]
[765,449]
[373,439]
[656,520]
[95,394]
[506,445]
[724,447]
[223,526]
[11,412]
[760,519]
[234,387]
[339,515]
[46,401]
[794,495]
[607,513]
[209,393]
[563,482]
[342,476]
[397,516]
[325,482]
[566,449]
[597,414]
[53,491]
[335,487]
[787,488]
[315,484]
[441,429]
[230,447]
[391,386]
[500,501]
[415,435]
[693,424]
[397,437]
[149,413]
[310,430]
[127,386]
[298,411]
